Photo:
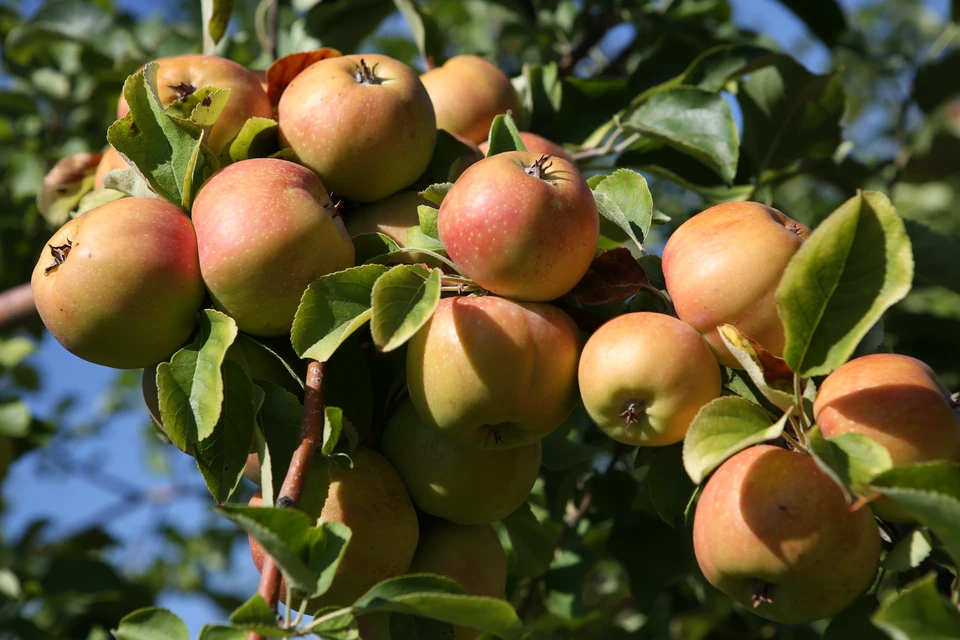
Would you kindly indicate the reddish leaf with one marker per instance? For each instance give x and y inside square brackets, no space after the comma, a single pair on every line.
[613,276]
[283,71]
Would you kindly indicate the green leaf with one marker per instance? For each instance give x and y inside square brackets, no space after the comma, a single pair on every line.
[256,615]
[918,613]
[308,552]
[851,460]
[14,419]
[913,549]
[201,107]
[851,269]
[222,455]
[629,191]
[428,221]
[695,122]
[280,415]
[165,149]
[257,139]
[403,300]
[371,245]
[333,426]
[334,623]
[532,544]
[191,385]
[609,210]
[854,622]
[931,494]
[130,182]
[770,374]
[218,13]
[714,68]
[722,428]
[435,193]
[345,25]
[151,623]
[504,136]
[426,32]
[417,239]
[439,598]
[670,486]
[219,632]
[14,350]
[332,308]
[99,197]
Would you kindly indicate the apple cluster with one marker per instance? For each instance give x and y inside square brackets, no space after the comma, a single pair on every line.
[489,374]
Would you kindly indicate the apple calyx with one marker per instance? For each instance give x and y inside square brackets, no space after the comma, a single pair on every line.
[183,90]
[493,430]
[760,593]
[539,168]
[366,75]
[59,255]
[333,207]
[631,415]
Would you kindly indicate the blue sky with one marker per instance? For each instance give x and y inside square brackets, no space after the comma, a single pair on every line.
[69,502]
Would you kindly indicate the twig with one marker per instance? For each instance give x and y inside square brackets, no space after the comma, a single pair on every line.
[311,432]
[16,304]
[273,26]
[611,146]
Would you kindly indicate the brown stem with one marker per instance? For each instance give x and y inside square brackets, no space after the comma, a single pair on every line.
[273,28]
[16,304]
[311,432]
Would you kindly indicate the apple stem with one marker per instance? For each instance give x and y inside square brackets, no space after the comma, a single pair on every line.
[539,168]
[630,415]
[311,433]
[760,593]
[366,75]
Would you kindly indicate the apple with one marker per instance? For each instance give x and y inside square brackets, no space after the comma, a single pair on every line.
[723,265]
[644,376]
[110,160]
[493,373]
[537,144]
[120,285]
[521,225]
[773,532]
[898,402]
[393,216]
[266,229]
[469,555]
[180,76]
[467,93]
[455,481]
[371,500]
[363,123]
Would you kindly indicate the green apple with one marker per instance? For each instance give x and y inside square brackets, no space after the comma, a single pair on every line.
[494,373]
[456,481]
[120,285]
[773,532]
[644,376]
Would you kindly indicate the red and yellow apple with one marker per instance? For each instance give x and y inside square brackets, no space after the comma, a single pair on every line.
[773,532]
[455,481]
[723,265]
[364,124]
[521,225]
[644,376]
[120,285]
[266,229]
[467,93]
[494,373]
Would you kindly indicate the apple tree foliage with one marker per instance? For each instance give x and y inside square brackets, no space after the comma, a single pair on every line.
[685,109]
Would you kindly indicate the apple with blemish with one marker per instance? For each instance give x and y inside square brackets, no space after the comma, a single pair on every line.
[644,376]
[180,76]
[773,532]
[453,480]
[493,373]
[723,266]
[266,229]
[120,285]
[364,124]
[521,225]
[467,93]
[537,144]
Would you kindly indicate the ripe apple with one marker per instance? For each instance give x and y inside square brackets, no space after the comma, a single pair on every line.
[644,376]
[111,160]
[371,500]
[266,229]
[469,555]
[180,76]
[493,373]
[773,532]
[393,216]
[467,93]
[455,481]
[723,265]
[522,225]
[899,402]
[363,123]
[120,286]
[537,144]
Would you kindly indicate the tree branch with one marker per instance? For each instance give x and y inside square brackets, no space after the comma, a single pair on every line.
[311,432]
[273,27]
[16,304]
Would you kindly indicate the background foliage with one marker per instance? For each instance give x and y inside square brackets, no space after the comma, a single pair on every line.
[879,114]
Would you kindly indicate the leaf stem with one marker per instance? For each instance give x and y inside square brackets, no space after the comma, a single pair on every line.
[798,397]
